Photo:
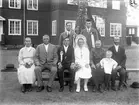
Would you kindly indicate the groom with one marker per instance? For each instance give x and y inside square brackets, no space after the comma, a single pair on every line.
[65,59]
[90,33]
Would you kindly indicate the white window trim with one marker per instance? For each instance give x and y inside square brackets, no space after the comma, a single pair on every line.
[1,3]
[119,4]
[32,6]
[15,7]
[54,21]
[37,27]
[9,26]
[104,32]
[120,31]
[72,21]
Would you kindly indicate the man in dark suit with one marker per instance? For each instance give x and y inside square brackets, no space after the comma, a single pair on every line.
[120,57]
[65,60]
[68,33]
[90,33]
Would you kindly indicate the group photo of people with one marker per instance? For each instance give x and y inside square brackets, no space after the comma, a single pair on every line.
[81,54]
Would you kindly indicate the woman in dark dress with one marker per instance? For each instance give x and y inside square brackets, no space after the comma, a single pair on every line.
[97,54]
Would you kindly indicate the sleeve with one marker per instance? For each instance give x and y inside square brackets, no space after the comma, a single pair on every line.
[123,59]
[34,54]
[102,63]
[92,56]
[55,55]
[37,62]
[20,57]
[60,40]
[115,64]
[73,56]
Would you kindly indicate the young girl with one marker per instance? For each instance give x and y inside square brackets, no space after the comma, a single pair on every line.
[108,64]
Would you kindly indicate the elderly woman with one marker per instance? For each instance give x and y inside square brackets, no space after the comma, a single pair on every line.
[82,62]
[97,72]
[26,74]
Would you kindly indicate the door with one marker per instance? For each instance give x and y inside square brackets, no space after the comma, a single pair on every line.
[1,30]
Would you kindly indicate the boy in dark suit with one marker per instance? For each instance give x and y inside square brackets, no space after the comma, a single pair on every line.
[120,57]
[65,59]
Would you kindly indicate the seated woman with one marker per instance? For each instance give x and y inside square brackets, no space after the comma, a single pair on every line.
[97,54]
[82,61]
[26,74]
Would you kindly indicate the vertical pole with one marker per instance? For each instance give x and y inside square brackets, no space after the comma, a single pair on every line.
[24,20]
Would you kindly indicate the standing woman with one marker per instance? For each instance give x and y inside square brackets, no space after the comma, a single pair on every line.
[97,54]
[26,74]
[82,62]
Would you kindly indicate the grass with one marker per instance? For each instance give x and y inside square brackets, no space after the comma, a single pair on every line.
[10,88]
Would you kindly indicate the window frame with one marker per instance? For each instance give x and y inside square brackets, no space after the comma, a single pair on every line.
[72,21]
[32,6]
[14,4]
[32,28]
[9,20]
[120,29]
[54,24]
[1,3]
[113,2]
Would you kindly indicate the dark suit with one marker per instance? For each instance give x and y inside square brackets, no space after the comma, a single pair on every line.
[68,58]
[71,36]
[88,36]
[120,58]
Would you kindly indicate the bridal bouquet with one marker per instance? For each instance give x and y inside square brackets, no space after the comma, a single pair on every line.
[28,63]
[77,66]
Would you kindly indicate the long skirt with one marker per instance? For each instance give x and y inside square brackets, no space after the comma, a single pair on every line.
[97,76]
[84,73]
[26,75]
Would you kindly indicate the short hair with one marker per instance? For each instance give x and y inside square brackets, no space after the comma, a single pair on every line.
[98,41]
[88,20]
[66,38]
[27,38]
[46,36]
[109,51]
[68,23]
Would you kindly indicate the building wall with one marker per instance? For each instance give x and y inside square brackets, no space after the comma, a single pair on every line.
[43,16]
[69,12]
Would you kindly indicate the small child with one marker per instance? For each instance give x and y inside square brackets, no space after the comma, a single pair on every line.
[108,64]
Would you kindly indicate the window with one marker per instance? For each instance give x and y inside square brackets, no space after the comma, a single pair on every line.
[15,4]
[100,24]
[32,27]
[115,29]
[0,3]
[91,3]
[116,4]
[14,27]
[97,3]
[73,23]
[32,4]
[54,27]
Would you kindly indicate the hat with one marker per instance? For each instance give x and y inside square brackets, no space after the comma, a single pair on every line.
[134,85]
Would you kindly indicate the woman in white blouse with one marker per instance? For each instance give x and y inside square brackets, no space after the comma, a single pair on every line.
[82,62]
[26,74]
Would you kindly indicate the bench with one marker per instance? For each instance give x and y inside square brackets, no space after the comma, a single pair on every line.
[45,74]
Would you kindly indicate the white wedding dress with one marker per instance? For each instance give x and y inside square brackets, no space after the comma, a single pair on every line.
[82,57]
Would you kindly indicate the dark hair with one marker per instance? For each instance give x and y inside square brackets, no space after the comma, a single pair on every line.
[68,23]
[88,20]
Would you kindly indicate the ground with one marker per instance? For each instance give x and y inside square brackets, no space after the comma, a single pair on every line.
[10,88]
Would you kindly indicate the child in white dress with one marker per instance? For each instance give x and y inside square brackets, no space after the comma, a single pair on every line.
[108,64]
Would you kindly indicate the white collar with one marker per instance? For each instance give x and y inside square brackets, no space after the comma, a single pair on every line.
[88,28]
[28,48]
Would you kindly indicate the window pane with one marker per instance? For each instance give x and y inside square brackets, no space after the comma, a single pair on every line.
[11,3]
[34,4]
[30,4]
[34,27]
[116,4]
[11,27]
[29,27]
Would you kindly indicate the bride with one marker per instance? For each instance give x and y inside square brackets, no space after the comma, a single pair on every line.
[82,61]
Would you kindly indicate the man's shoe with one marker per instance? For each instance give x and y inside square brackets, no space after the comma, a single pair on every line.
[61,89]
[23,89]
[49,89]
[39,89]
[71,89]
[113,88]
